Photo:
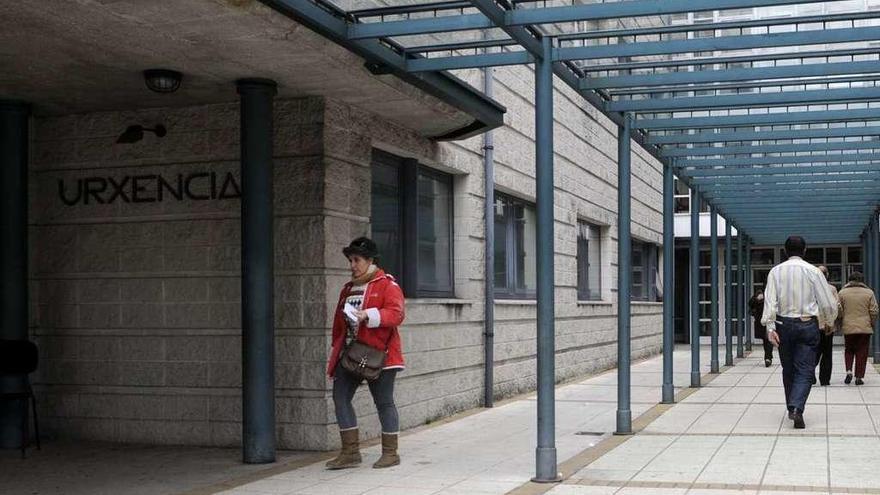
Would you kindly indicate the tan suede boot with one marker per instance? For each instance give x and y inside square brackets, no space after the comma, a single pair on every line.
[389,452]
[350,454]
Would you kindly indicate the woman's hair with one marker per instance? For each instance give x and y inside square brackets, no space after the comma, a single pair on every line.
[363,247]
[856,277]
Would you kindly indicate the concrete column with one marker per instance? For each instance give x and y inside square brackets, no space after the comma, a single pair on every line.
[545,454]
[624,277]
[13,251]
[695,288]
[257,271]
[668,282]
[728,294]
[713,236]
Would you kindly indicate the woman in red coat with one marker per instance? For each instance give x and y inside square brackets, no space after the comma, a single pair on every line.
[370,309]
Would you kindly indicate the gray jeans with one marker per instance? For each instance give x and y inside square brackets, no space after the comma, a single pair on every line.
[382,390]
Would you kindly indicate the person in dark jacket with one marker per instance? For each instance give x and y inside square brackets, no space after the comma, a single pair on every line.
[826,340]
[756,305]
[370,309]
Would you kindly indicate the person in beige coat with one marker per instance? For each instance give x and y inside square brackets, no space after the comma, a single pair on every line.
[859,307]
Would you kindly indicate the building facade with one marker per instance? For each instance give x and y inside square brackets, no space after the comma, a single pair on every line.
[135,256]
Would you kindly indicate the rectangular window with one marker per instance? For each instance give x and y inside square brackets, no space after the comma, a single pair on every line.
[682,197]
[411,221]
[644,271]
[589,262]
[515,248]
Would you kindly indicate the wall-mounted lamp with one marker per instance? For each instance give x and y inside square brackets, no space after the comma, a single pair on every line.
[135,133]
[162,80]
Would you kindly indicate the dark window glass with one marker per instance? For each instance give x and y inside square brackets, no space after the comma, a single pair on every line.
[681,205]
[435,232]
[762,256]
[834,255]
[854,255]
[589,262]
[417,247]
[385,219]
[515,248]
[814,255]
[644,271]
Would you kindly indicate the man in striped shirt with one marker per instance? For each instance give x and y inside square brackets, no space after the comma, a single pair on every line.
[796,298]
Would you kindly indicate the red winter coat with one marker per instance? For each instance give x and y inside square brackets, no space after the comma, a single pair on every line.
[383,302]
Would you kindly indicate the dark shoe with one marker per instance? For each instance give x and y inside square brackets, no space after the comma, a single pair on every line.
[767,363]
[859,381]
[790,414]
[825,384]
[798,420]
[389,452]
[350,455]
[848,378]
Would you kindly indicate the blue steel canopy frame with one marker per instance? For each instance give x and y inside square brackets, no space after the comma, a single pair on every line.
[768,136]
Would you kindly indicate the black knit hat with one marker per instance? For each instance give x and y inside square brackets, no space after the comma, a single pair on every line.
[363,247]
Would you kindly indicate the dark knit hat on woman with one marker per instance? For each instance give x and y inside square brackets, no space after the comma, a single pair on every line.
[363,247]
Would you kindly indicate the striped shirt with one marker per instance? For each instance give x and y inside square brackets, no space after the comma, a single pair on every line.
[795,289]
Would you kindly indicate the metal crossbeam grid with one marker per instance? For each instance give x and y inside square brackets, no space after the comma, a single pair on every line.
[774,119]
[723,99]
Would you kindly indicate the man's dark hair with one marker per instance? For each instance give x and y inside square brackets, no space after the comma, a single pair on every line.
[856,277]
[795,246]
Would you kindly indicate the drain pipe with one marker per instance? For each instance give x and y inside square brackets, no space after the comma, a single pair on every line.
[489,272]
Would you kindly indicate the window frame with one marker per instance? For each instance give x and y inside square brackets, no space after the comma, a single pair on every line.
[584,291]
[510,291]
[409,170]
[649,268]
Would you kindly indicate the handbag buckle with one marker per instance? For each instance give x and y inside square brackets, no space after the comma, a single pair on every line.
[363,363]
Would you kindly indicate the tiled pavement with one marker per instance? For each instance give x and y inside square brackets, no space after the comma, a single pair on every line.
[730,437]
[491,452]
[733,437]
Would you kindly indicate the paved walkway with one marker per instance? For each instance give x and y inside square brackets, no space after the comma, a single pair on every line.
[732,437]
[729,437]
[490,452]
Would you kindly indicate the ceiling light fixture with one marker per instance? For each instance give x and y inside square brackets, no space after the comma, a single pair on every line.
[162,80]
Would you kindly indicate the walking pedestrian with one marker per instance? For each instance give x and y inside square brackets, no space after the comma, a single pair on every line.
[826,340]
[859,307]
[370,308]
[756,304]
[796,297]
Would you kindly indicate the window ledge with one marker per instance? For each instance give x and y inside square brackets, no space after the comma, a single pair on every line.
[516,302]
[588,302]
[647,303]
[419,301]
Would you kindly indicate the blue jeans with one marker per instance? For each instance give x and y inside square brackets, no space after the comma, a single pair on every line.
[382,389]
[798,348]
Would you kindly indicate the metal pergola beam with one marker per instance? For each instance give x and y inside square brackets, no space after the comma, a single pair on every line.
[732,75]
[735,59]
[631,8]
[716,26]
[763,100]
[764,135]
[778,160]
[724,43]
[835,171]
[771,148]
[740,87]
[759,119]
[815,177]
